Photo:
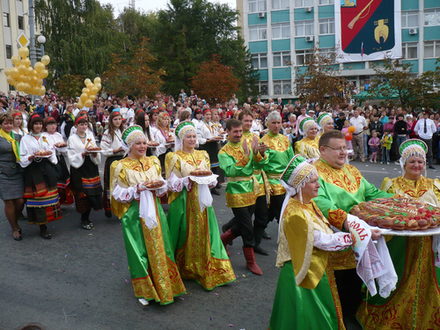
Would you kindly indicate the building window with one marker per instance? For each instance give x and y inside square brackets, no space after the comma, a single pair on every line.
[281,59]
[409,50]
[303,3]
[259,61]
[432,49]
[20,23]
[281,31]
[258,32]
[263,88]
[410,19]
[326,2]
[328,53]
[280,4]
[6,22]
[303,28]
[256,6]
[326,26]
[8,52]
[304,56]
[282,87]
[432,17]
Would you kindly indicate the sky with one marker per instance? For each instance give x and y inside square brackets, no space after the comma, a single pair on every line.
[147,5]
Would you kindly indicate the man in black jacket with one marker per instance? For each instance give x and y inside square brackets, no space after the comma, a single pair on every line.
[376,125]
[400,130]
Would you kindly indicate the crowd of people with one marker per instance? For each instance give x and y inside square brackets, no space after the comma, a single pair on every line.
[284,162]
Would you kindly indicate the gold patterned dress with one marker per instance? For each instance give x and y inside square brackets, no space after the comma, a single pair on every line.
[306,296]
[154,273]
[200,254]
[415,304]
[307,147]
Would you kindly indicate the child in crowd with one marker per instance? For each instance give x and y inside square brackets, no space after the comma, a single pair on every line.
[348,142]
[374,144]
[386,142]
[99,131]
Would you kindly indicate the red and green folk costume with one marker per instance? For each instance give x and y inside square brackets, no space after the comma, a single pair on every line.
[242,187]
[306,295]
[279,154]
[199,252]
[340,190]
[260,175]
[415,304]
[154,273]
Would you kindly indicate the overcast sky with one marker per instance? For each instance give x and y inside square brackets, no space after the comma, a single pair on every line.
[147,5]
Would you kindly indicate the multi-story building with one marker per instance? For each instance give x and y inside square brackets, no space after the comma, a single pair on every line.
[283,34]
[15,21]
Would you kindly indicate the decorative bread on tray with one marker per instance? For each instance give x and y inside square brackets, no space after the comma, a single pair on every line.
[154,184]
[201,173]
[398,214]
[43,153]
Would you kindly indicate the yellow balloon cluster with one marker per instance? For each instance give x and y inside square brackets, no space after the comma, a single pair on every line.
[89,92]
[24,77]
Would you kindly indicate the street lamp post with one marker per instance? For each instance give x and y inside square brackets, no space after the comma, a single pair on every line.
[33,55]
[41,40]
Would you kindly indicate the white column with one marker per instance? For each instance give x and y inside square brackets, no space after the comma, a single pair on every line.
[421,52]
[269,49]
[292,45]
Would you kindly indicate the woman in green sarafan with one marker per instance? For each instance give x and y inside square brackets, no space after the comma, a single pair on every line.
[154,274]
[306,295]
[200,254]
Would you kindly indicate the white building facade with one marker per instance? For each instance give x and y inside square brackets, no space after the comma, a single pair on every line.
[283,34]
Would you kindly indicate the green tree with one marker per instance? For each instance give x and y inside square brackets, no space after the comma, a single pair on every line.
[394,77]
[189,33]
[69,85]
[81,35]
[136,25]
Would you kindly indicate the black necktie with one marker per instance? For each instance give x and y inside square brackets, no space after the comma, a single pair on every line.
[424,127]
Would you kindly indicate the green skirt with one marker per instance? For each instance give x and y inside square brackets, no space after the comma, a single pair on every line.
[154,273]
[299,308]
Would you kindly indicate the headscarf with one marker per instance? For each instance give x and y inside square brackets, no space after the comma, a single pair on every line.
[411,148]
[181,130]
[131,135]
[305,124]
[323,119]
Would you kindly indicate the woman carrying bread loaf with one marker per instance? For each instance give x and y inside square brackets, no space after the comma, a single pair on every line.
[200,254]
[306,296]
[112,149]
[38,159]
[136,184]
[84,158]
[415,303]
[57,142]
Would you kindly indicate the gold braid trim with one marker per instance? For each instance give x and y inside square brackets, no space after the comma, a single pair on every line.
[308,252]
[240,200]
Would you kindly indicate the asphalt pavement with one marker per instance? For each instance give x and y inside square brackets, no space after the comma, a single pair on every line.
[79,279]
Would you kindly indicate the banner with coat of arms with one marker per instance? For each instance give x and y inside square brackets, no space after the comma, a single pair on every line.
[367,30]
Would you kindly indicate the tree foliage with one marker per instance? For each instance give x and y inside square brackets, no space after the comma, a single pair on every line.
[135,77]
[190,32]
[81,35]
[69,85]
[320,82]
[83,38]
[214,81]
[414,91]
